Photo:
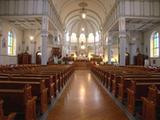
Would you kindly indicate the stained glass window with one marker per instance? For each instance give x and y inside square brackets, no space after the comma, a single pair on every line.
[91,38]
[67,37]
[97,37]
[11,44]
[82,38]
[155,44]
[73,37]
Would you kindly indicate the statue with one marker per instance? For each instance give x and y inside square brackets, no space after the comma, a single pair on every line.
[54,58]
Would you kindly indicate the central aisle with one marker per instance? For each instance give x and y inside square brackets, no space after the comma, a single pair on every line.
[83,99]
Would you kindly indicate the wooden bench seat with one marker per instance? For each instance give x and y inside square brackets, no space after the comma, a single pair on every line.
[136,91]
[125,82]
[19,100]
[118,78]
[151,104]
[38,89]
[11,116]
[51,81]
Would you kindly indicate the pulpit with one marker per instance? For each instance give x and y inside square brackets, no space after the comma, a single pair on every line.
[24,58]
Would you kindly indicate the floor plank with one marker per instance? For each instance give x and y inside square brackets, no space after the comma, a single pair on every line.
[83,99]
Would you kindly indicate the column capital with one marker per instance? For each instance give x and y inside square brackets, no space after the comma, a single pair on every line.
[122,34]
[44,33]
[33,42]
[122,24]
[122,27]
[45,23]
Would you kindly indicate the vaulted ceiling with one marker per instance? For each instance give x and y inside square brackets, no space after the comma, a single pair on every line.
[70,14]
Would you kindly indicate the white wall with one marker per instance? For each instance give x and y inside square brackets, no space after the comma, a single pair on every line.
[136,40]
[35,45]
[32,46]
[5,27]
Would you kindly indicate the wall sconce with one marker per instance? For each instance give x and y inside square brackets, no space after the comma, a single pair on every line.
[31,38]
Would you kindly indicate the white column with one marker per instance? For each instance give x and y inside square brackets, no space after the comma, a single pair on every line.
[78,45]
[86,44]
[122,42]
[44,37]
[63,44]
[95,44]
[133,48]
[0,47]
[33,51]
[69,43]
[109,48]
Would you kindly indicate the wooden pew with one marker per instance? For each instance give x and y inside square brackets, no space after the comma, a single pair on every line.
[118,79]
[46,71]
[151,104]
[59,75]
[50,82]
[19,100]
[125,82]
[136,91]
[11,116]
[38,89]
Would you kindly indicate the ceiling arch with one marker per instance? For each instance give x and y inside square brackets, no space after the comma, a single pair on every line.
[70,13]
[89,18]
[89,12]
[67,3]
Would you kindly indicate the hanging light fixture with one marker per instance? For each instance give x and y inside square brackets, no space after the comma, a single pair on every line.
[83,29]
[83,14]
[83,11]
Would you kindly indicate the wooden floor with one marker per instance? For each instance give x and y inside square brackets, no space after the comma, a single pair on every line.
[83,99]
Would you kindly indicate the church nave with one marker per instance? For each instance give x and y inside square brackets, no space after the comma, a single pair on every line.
[84,99]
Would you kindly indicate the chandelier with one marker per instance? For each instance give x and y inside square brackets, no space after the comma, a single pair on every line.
[83,10]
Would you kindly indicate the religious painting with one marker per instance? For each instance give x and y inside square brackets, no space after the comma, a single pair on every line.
[3,42]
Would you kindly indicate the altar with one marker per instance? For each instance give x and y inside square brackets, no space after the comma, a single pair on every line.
[81,63]
[82,58]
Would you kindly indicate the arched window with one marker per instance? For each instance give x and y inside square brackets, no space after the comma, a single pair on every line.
[73,37]
[154,44]
[11,43]
[67,37]
[82,38]
[107,40]
[91,38]
[97,37]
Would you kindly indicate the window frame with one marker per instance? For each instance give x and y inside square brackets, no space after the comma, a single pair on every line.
[11,44]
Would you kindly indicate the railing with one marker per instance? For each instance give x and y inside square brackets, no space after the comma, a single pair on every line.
[21,7]
[52,13]
[112,17]
[141,8]
[132,9]
[30,8]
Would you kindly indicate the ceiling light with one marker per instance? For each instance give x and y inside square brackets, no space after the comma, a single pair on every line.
[31,38]
[83,10]
[83,29]
[84,15]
